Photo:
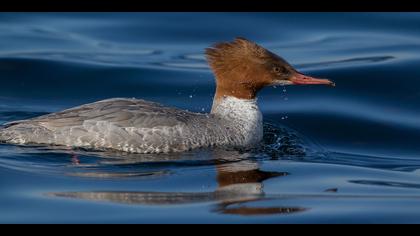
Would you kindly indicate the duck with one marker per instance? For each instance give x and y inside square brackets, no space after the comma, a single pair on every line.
[241,68]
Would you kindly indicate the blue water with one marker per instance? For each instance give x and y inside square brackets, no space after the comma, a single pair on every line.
[330,155]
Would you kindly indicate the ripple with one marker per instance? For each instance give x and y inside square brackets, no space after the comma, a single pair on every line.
[386,183]
[132,58]
[187,61]
[371,161]
[347,62]
[6,116]
[185,65]
[196,57]
[111,175]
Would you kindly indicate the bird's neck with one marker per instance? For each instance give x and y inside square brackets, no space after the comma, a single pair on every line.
[242,116]
[237,109]
[247,91]
[229,104]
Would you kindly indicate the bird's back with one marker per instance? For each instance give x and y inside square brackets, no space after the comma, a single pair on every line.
[124,124]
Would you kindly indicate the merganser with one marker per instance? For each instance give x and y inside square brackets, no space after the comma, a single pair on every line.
[241,67]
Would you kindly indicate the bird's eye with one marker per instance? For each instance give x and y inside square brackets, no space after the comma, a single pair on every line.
[277,69]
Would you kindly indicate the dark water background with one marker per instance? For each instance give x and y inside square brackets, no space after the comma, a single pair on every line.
[344,154]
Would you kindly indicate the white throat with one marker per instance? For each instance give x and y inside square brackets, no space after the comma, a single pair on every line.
[244,115]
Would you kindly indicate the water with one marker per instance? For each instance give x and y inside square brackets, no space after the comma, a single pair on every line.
[345,154]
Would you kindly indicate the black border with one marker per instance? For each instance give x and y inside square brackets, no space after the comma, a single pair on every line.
[209,5]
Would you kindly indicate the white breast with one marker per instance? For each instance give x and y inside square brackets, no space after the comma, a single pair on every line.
[243,116]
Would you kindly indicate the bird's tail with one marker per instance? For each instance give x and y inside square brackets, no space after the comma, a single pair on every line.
[4,136]
[21,133]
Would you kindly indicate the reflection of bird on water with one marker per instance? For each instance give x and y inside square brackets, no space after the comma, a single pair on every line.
[239,181]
